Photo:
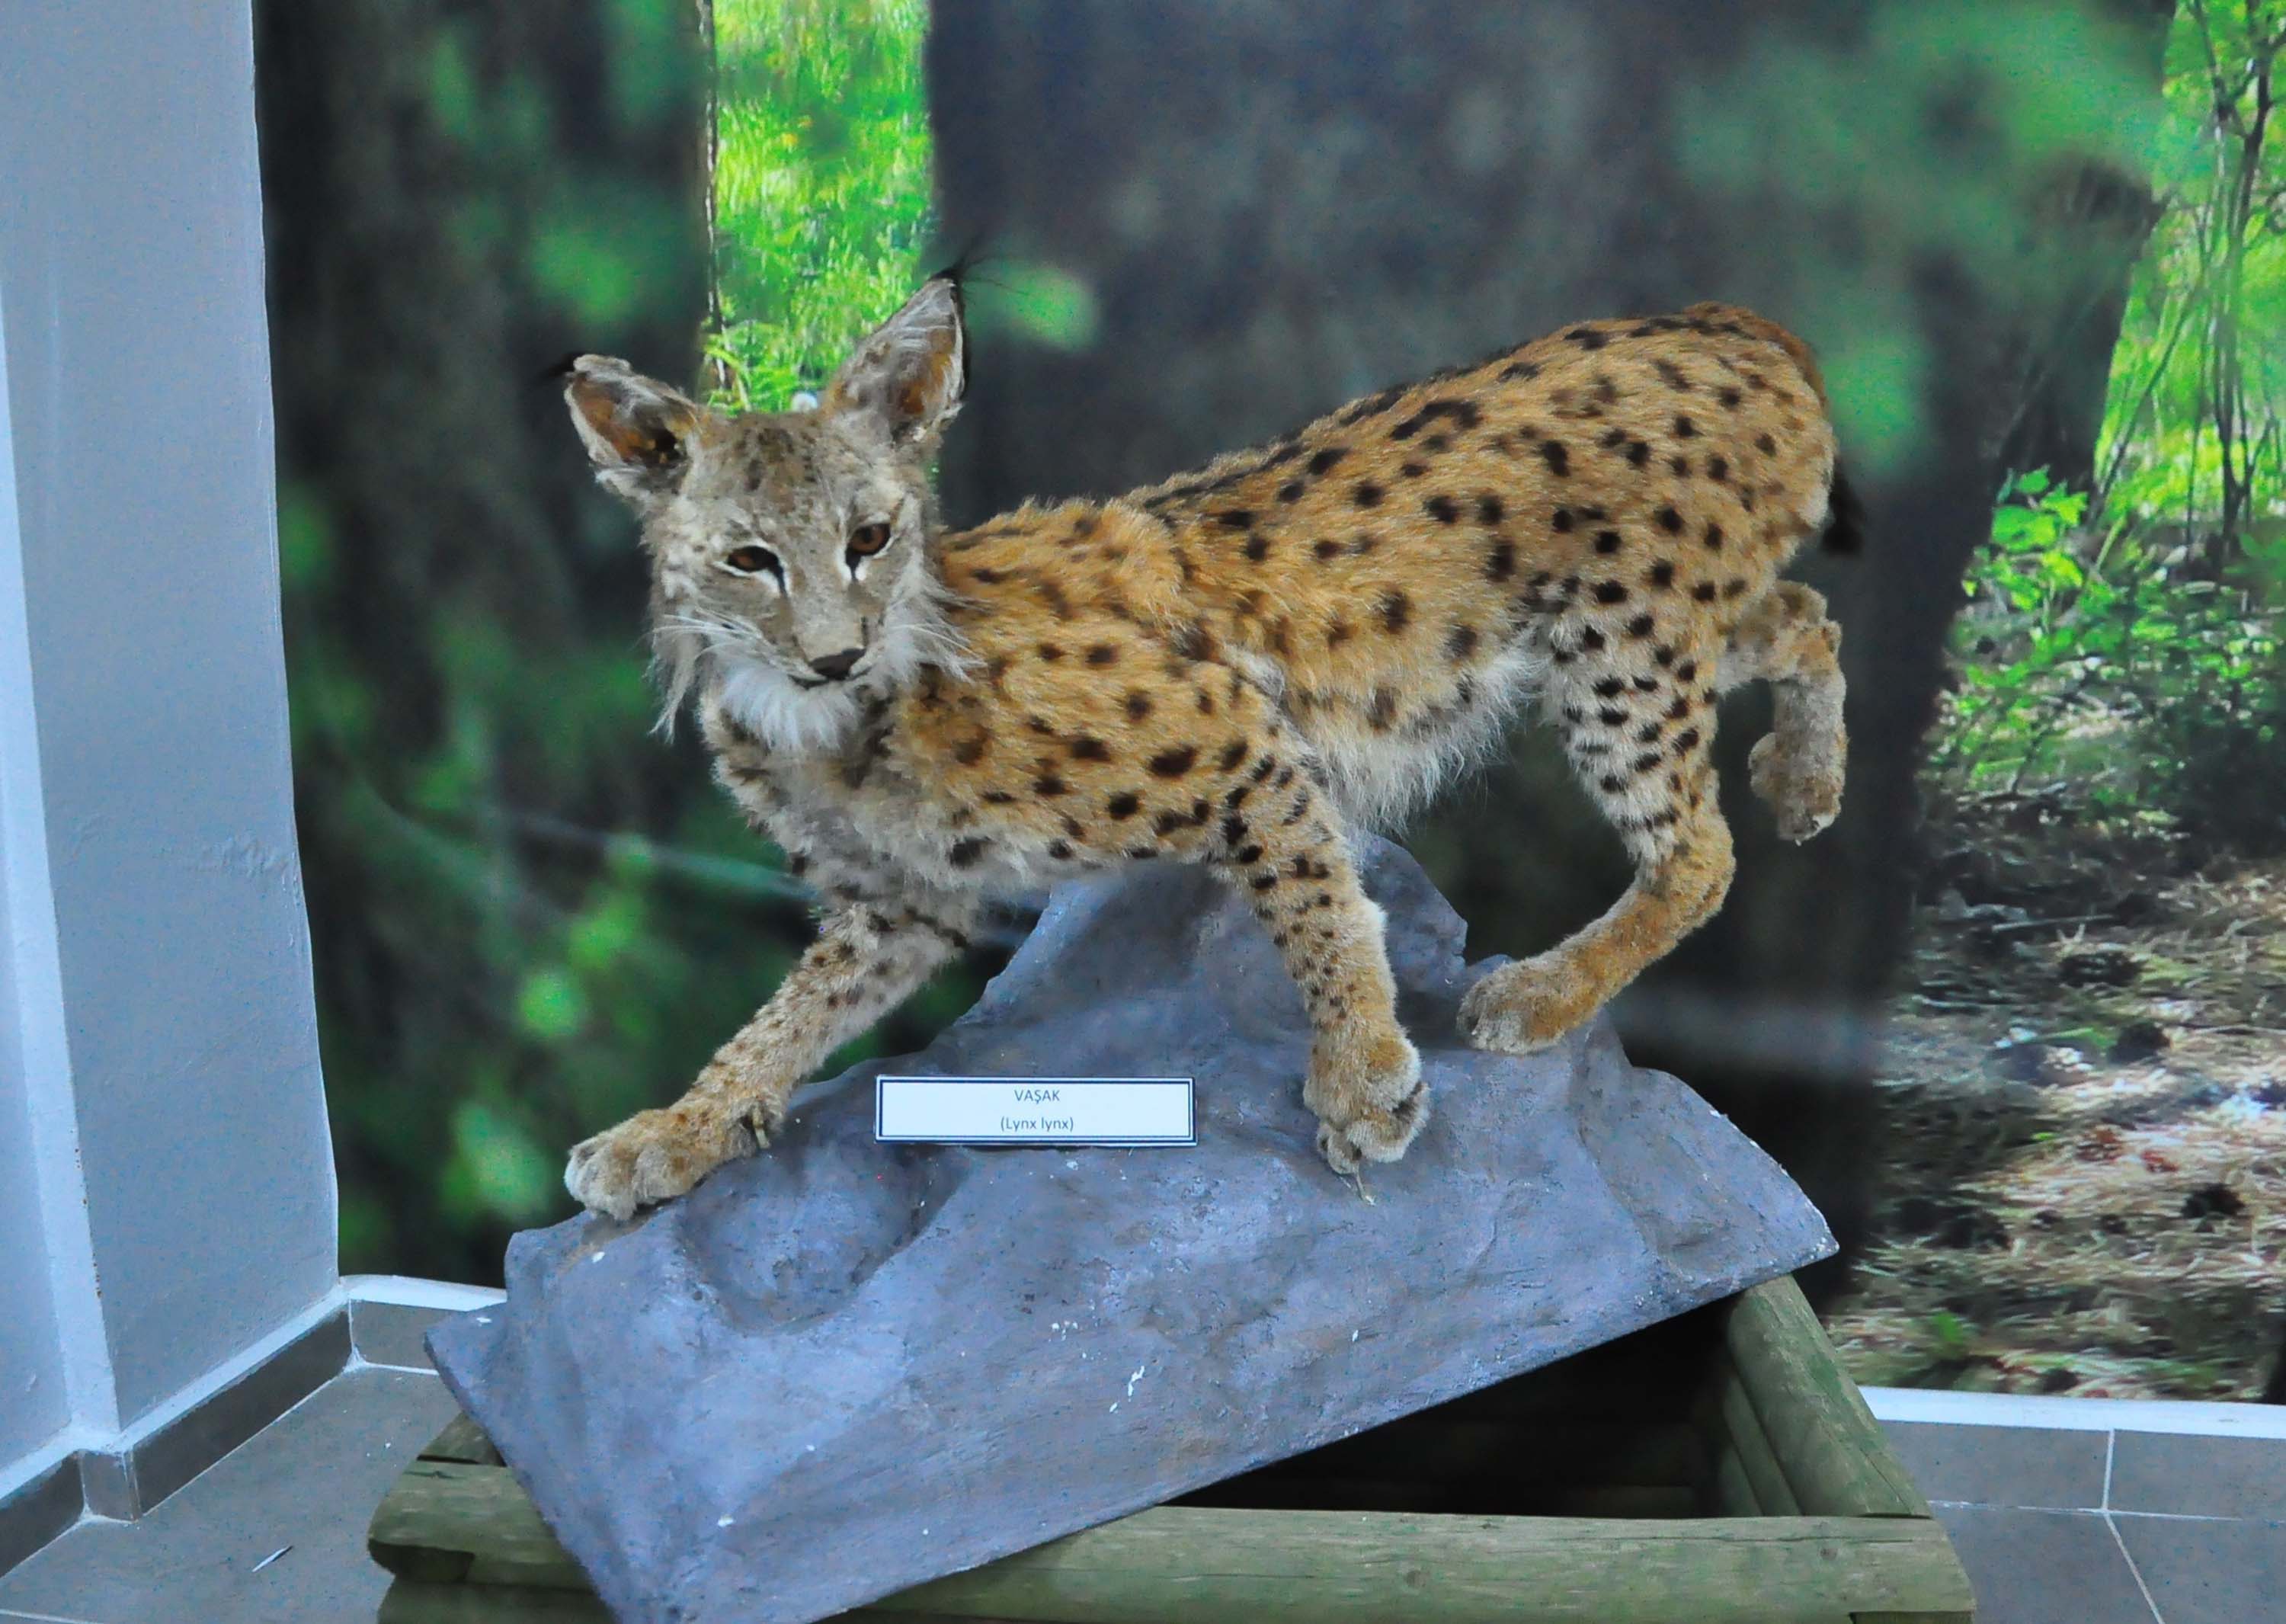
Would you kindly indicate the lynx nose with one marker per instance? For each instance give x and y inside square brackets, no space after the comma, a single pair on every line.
[833,667]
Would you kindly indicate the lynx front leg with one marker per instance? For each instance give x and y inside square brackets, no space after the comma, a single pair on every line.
[1283,854]
[866,960]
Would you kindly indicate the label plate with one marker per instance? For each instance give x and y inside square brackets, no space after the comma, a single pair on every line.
[1034,1110]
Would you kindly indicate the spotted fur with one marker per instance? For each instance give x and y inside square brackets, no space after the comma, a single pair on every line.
[1236,669]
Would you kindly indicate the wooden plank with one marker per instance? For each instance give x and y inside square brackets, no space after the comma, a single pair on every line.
[1832,1452]
[1743,1429]
[1733,1494]
[1301,1567]
[463,1440]
[449,1506]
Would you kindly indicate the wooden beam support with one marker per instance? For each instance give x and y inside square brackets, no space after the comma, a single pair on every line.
[1305,1567]
[1832,1452]
[1743,1429]
[1777,1430]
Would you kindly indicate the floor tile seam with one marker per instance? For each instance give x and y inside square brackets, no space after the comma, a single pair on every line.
[2150,1517]
[365,1361]
[2198,1516]
[2134,1571]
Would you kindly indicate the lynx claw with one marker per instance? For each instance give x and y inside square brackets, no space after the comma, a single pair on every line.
[1374,1134]
[1376,1117]
[657,1155]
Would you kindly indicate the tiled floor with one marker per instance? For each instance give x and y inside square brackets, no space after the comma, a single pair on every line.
[274,1534]
[2061,1526]
[2055,1526]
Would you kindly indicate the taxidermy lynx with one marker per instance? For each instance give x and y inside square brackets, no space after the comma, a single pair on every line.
[1236,669]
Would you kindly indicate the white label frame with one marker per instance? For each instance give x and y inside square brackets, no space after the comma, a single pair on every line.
[1048,1112]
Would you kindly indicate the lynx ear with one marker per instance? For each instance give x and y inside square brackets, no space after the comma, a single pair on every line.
[636,429]
[910,372]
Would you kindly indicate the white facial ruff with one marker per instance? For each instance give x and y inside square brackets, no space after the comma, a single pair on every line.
[786,716]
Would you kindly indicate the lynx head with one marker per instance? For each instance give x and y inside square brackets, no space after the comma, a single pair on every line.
[790,574]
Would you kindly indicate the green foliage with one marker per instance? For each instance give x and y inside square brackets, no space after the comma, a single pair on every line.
[2209,296]
[2086,652]
[2038,632]
[530,915]
[1949,1337]
[821,185]
[2127,636]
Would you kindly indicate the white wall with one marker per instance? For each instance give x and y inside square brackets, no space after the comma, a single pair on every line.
[185,1060]
[35,1400]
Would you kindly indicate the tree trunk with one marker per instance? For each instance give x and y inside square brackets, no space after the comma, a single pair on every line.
[456,197]
[1279,206]
[2085,233]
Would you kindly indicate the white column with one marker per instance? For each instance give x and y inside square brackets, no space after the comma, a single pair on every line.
[160,1047]
[55,1368]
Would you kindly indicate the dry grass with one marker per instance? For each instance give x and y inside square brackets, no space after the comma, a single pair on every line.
[2068,1213]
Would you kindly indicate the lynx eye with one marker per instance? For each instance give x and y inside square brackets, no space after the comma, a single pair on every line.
[751,560]
[868,539]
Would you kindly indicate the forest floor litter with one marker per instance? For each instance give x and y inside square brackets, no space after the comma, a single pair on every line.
[2083,1116]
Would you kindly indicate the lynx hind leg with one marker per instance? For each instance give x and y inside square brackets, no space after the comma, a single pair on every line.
[1641,742]
[1282,850]
[1787,640]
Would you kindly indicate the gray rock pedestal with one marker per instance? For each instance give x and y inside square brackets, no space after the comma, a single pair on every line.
[841,1368]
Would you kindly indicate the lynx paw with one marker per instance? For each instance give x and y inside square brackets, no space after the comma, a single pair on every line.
[1371,1108]
[1525,1007]
[657,1155]
[1803,790]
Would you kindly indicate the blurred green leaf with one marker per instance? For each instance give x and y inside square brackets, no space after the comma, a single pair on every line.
[1042,302]
[304,544]
[1876,377]
[582,265]
[503,1169]
[550,1004]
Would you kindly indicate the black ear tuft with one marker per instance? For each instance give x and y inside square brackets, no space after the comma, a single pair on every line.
[964,264]
[561,369]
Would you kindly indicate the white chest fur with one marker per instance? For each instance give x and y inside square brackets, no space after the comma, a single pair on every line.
[861,814]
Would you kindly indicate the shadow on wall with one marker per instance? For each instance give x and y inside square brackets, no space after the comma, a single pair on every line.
[1218,222]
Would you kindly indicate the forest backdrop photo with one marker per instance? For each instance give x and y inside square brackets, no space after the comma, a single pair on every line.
[2016,1022]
